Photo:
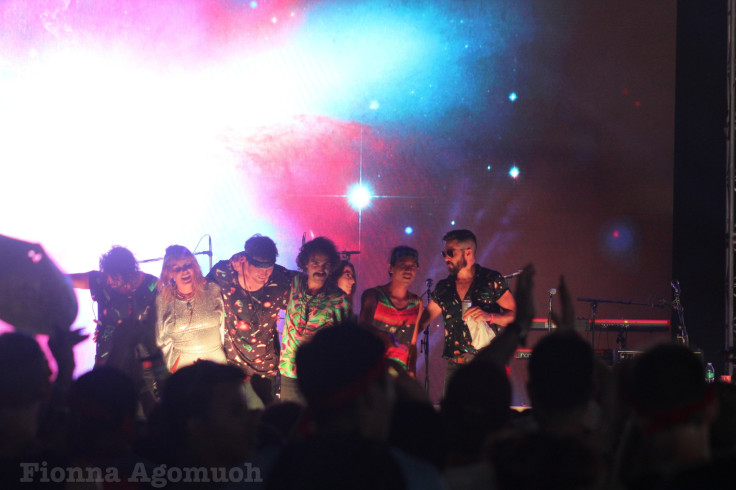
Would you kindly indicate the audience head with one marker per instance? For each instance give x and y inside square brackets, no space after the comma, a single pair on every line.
[24,371]
[345,379]
[119,267]
[528,461]
[667,388]
[102,405]
[476,405]
[561,375]
[277,424]
[24,386]
[205,417]
[723,430]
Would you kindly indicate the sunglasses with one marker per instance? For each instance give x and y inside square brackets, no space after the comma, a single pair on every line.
[185,267]
[451,252]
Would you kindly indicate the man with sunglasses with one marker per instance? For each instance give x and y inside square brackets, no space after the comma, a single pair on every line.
[474,301]
[254,289]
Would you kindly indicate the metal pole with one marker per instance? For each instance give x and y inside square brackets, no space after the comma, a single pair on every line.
[730,182]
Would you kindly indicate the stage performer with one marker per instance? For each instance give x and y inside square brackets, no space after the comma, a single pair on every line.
[474,301]
[393,309]
[344,278]
[190,321]
[313,305]
[254,289]
[125,334]
[122,293]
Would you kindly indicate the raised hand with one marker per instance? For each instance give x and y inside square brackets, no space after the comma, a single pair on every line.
[61,345]
[567,321]
[523,297]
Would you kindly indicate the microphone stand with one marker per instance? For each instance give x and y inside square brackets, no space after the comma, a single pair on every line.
[552,292]
[159,259]
[593,312]
[677,305]
[425,341]
[347,254]
[209,241]
[206,252]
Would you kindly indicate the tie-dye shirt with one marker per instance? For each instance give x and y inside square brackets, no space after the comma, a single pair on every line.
[251,336]
[485,290]
[306,314]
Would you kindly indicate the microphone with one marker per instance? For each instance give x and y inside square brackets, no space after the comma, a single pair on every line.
[209,242]
[676,286]
[513,274]
[552,292]
[429,283]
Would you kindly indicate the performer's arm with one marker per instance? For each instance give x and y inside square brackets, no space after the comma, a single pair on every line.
[431,312]
[163,342]
[368,303]
[502,347]
[223,315]
[507,315]
[412,364]
[508,309]
[80,280]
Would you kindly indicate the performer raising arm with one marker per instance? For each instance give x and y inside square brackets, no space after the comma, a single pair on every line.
[125,333]
[254,289]
[122,292]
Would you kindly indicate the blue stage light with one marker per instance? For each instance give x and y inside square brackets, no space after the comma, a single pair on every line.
[408,230]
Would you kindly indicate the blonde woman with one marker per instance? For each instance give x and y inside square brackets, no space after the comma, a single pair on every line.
[191,315]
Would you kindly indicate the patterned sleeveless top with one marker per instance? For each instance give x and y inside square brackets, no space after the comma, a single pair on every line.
[400,323]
